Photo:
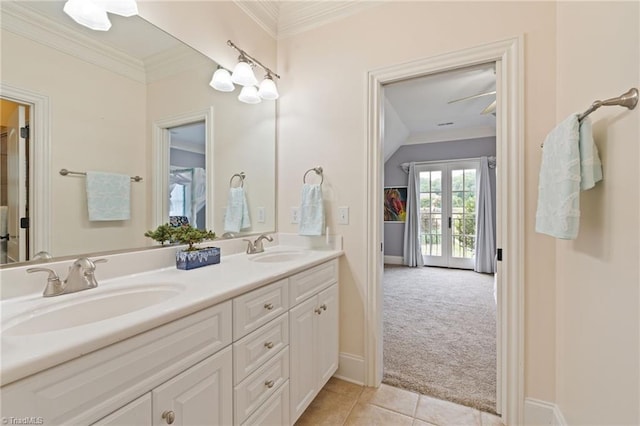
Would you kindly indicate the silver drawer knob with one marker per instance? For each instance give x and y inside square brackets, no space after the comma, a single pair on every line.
[268,306]
[169,416]
[268,345]
[269,383]
[323,307]
[318,311]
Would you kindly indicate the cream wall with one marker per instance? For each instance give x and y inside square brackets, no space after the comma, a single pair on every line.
[598,274]
[322,121]
[79,92]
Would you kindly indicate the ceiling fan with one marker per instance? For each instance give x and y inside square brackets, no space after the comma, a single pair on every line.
[489,109]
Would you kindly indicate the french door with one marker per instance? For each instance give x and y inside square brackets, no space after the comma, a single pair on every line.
[448,213]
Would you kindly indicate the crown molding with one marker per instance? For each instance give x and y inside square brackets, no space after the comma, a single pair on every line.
[22,20]
[264,13]
[285,18]
[173,61]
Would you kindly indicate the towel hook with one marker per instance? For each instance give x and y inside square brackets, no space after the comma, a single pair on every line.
[318,170]
[241,176]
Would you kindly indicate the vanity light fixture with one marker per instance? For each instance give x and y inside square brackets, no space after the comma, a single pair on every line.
[221,80]
[243,75]
[93,13]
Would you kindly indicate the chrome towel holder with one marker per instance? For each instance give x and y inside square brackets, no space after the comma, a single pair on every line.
[628,99]
[318,170]
[241,176]
[65,172]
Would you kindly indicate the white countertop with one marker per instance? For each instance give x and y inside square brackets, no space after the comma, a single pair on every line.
[26,354]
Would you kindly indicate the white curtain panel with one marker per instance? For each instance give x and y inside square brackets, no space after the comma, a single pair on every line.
[485,240]
[412,252]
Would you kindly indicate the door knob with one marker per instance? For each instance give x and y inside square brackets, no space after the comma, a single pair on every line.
[323,307]
[269,383]
[169,416]
[268,306]
[268,345]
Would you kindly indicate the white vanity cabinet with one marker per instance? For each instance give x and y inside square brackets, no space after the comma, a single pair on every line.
[313,333]
[256,359]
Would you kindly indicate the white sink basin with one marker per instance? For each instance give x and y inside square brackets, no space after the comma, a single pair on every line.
[91,307]
[278,256]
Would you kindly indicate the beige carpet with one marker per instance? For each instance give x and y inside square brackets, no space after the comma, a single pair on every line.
[440,334]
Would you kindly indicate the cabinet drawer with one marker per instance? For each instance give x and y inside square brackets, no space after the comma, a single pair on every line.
[253,350]
[308,283]
[258,307]
[275,411]
[260,385]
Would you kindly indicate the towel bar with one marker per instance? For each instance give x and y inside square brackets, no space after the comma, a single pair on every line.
[65,172]
[629,99]
[318,171]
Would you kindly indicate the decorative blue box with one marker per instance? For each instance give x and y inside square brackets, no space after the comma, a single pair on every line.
[195,259]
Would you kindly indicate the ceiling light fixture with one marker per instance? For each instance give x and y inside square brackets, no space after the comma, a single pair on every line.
[93,13]
[243,75]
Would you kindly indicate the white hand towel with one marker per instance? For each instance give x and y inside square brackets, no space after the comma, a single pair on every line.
[311,210]
[237,215]
[108,196]
[570,163]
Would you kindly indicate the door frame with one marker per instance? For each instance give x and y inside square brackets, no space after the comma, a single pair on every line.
[508,56]
[40,209]
[160,171]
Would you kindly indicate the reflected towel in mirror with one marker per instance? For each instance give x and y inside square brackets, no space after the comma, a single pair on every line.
[237,215]
[108,196]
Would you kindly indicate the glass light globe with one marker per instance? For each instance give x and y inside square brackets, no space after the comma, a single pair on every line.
[221,81]
[243,75]
[268,89]
[249,95]
[88,13]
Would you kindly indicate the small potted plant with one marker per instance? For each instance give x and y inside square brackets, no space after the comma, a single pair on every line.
[192,256]
[161,234]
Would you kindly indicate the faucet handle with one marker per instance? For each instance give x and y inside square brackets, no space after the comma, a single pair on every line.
[52,273]
[54,286]
[101,260]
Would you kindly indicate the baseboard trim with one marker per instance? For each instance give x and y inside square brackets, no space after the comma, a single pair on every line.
[542,413]
[350,368]
[393,260]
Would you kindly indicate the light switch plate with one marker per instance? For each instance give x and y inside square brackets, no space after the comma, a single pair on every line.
[261,214]
[295,214]
[343,215]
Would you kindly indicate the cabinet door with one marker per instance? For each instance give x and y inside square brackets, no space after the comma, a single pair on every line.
[302,377]
[137,412]
[201,395]
[327,335]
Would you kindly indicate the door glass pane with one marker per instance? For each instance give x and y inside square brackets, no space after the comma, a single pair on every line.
[431,213]
[463,213]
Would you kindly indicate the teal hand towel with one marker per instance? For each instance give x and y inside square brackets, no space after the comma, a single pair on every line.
[108,196]
[311,210]
[570,163]
[237,214]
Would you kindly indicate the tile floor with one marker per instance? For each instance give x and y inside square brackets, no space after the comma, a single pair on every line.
[343,403]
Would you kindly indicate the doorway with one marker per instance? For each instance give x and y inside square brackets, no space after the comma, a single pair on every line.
[14,182]
[507,56]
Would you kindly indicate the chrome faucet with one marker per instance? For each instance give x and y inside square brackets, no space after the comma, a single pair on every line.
[257,246]
[81,277]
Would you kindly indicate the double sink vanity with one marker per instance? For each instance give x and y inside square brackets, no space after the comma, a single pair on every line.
[251,340]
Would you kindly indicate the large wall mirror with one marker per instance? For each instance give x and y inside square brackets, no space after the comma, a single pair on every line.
[135,101]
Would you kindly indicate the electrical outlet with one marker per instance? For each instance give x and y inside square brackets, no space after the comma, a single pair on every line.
[343,215]
[295,214]
[261,214]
